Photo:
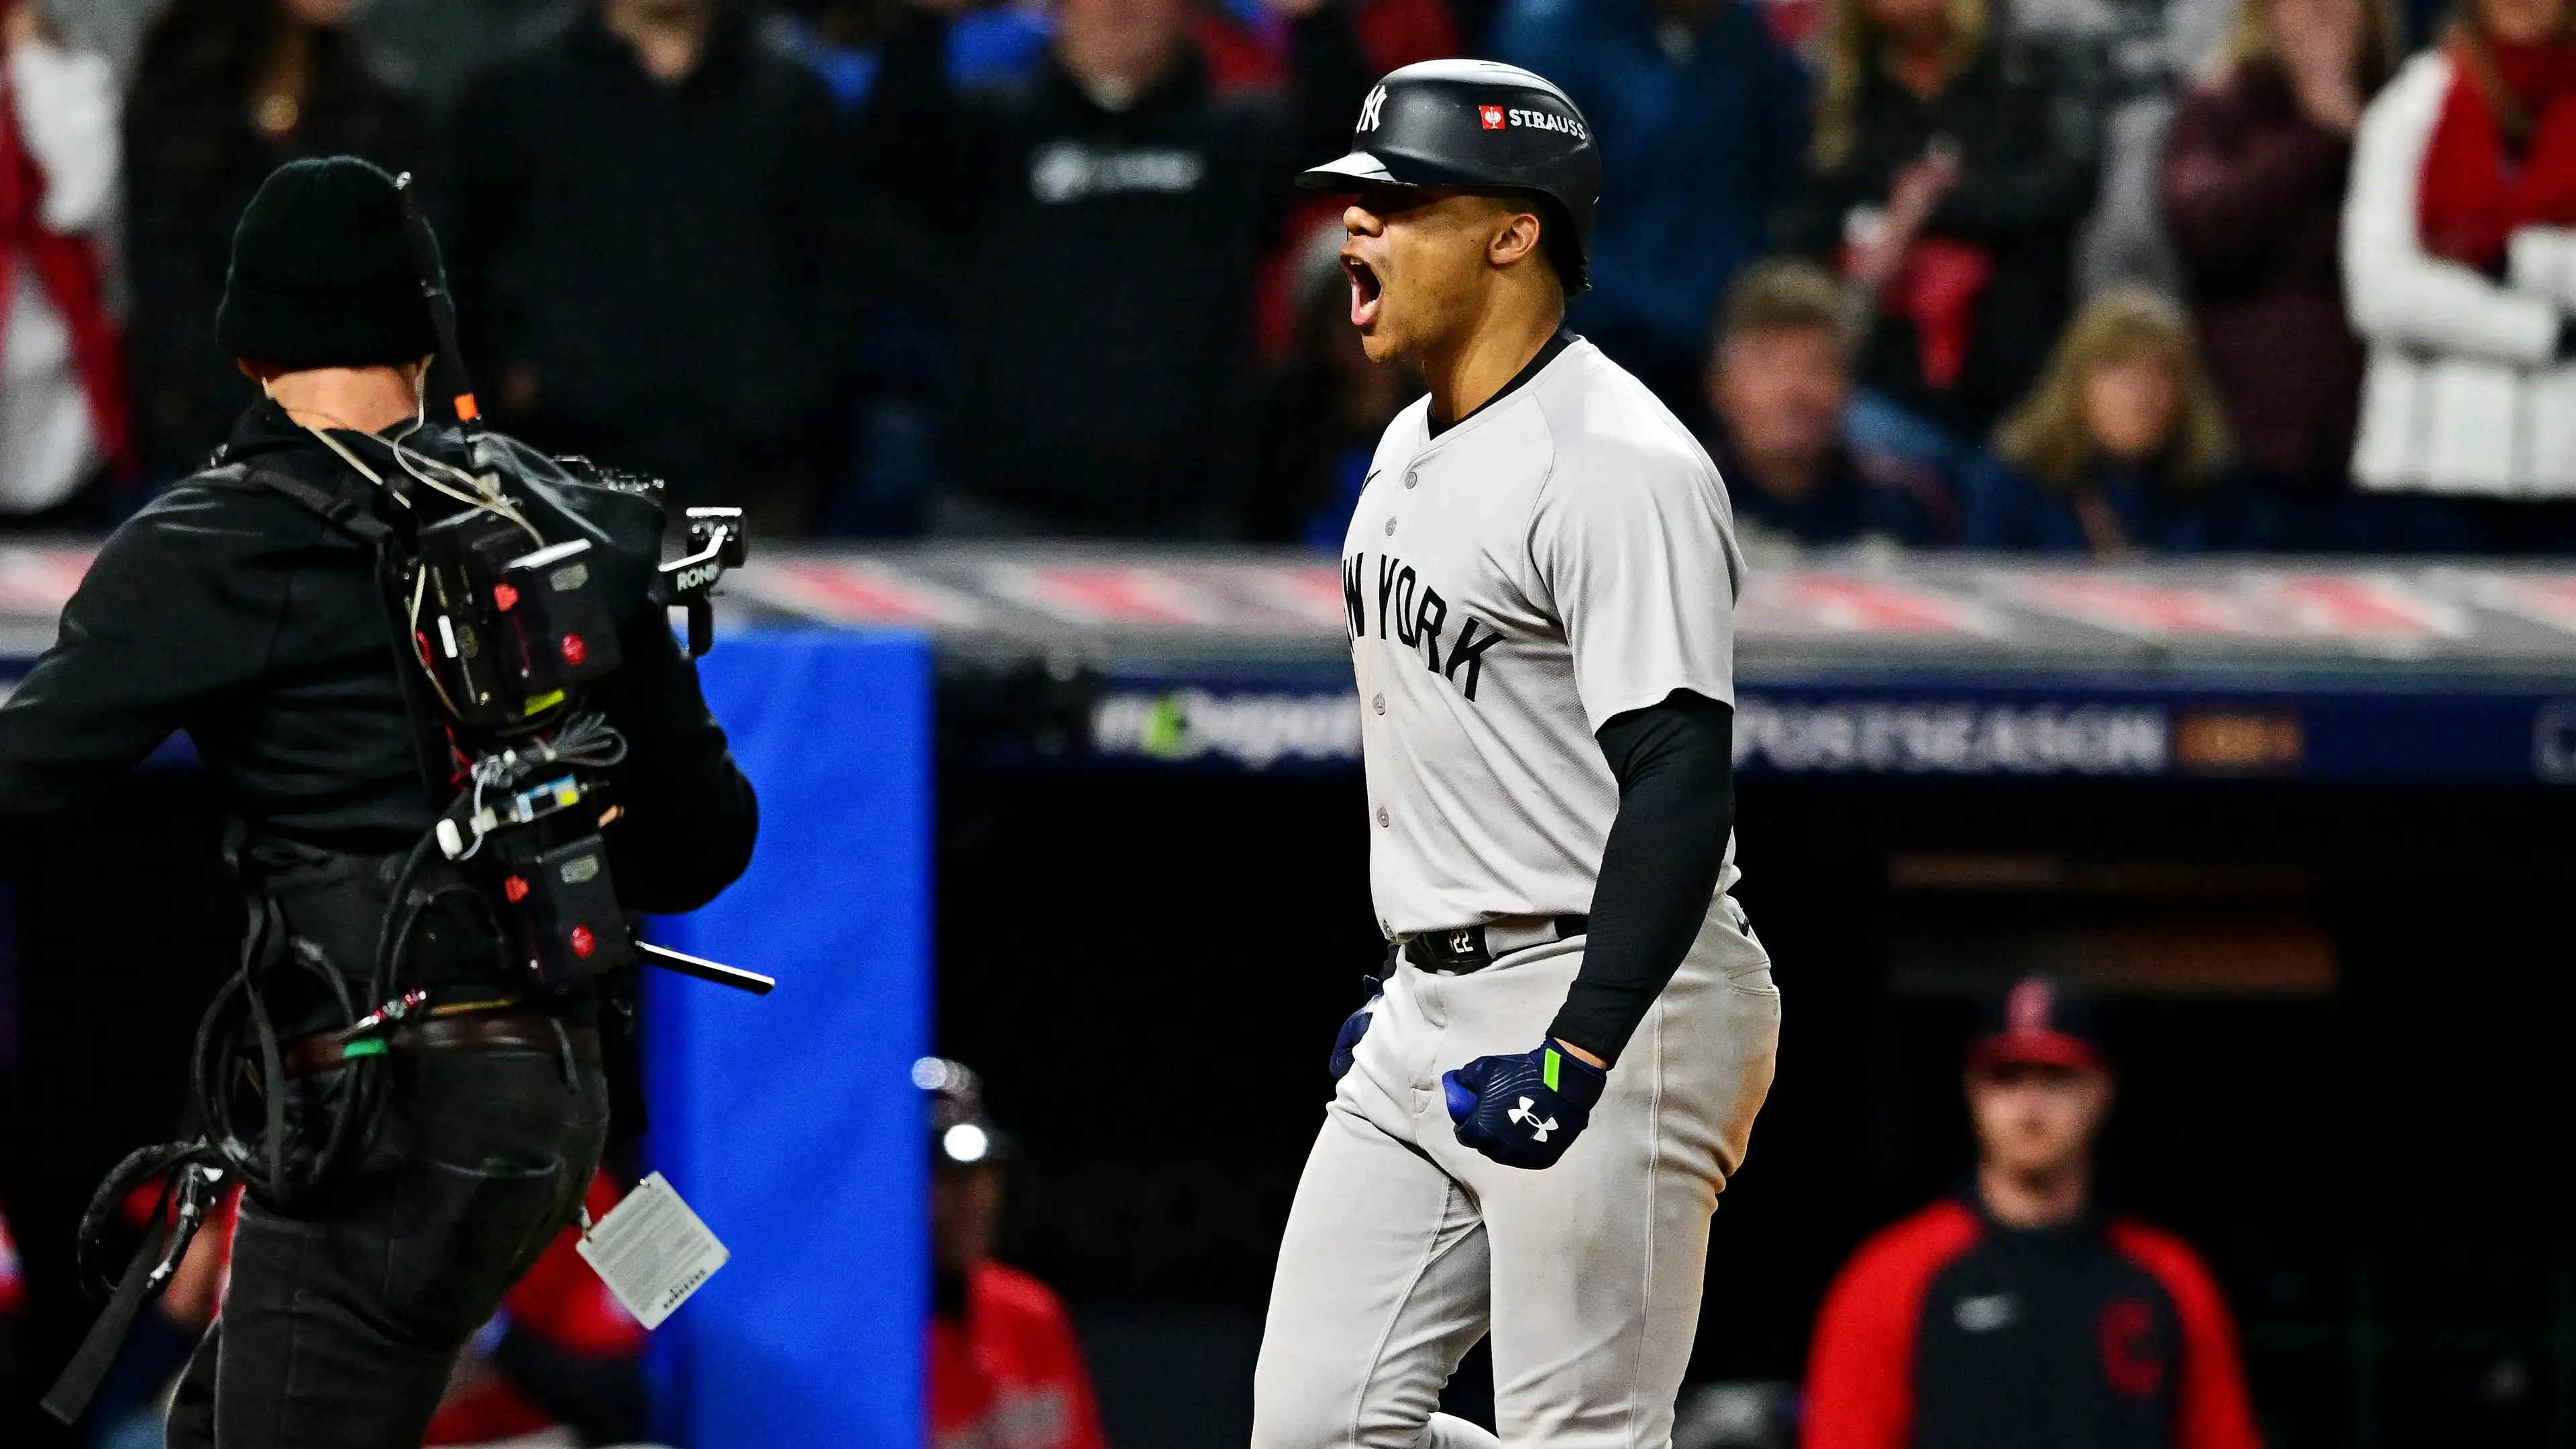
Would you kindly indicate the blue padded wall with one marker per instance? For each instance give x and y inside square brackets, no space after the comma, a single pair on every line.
[790,1121]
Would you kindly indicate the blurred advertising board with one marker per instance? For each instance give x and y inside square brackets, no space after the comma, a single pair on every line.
[1863,662]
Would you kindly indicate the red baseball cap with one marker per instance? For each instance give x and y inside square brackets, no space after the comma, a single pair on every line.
[2039,1022]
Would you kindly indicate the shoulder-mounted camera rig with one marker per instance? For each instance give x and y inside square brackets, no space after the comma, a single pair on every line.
[509,579]
[509,621]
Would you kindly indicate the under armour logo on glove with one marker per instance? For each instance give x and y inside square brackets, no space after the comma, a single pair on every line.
[1523,1111]
[1523,1115]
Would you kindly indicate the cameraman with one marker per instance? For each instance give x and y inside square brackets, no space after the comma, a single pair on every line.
[236,613]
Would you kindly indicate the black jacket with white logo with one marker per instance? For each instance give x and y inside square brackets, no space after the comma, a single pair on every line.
[667,264]
[1102,267]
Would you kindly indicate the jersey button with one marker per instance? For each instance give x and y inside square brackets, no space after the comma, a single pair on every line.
[1381,817]
[1390,527]
[1411,477]
[1378,703]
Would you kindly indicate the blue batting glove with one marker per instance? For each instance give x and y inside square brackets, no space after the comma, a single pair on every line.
[1346,1045]
[1523,1111]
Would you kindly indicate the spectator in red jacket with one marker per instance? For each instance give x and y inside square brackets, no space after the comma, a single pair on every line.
[13,1300]
[1004,1366]
[2018,1314]
[562,1357]
[562,1363]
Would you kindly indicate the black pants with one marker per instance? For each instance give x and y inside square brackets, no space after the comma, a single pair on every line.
[343,1322]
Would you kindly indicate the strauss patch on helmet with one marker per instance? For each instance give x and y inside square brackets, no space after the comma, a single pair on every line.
[1544,121]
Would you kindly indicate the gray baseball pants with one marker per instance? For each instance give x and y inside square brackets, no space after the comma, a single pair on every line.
[1403,1247]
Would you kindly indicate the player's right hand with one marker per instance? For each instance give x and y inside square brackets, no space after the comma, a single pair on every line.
[1346,1045]
[1525,1110]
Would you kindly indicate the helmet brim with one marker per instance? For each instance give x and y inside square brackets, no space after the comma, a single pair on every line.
[1356,172]
[1361,170]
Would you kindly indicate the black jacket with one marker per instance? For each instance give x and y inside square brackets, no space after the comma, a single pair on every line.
[231,612]
[662,261]
[1102,289]
[2026,121]
[193,160]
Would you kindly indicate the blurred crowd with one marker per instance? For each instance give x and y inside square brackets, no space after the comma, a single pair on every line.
[2076,276]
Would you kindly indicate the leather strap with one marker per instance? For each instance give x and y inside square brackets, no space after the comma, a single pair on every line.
[1473,948]
[345,514]
[515,1031]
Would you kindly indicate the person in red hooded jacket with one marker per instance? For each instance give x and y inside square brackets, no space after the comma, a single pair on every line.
[62,384]
[2459,268]
[2018,1315]
[1005,1370]
[562,1354]
[13,1299]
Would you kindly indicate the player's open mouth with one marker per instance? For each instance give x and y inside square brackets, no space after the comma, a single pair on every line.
[1366,291]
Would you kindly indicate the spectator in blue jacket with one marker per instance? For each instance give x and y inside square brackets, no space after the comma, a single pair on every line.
[1779,395]
[1701,115]
[2119,449]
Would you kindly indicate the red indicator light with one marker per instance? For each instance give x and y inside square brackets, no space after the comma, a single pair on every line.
[516,888]
[504,597]
[574,651]
[583,942]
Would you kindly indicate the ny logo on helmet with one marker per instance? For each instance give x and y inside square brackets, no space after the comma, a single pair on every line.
[1369,109]
[1493,117]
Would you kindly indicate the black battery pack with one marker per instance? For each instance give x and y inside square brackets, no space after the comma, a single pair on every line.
[507,631]
[559,906]
[554,624]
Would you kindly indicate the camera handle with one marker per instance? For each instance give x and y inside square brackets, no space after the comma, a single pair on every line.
[706,970]
[716,543]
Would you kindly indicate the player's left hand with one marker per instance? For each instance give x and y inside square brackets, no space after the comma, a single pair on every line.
[1523,1111]
[1346,1045]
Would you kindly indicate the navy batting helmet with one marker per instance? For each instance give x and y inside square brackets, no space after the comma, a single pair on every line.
[1482,124]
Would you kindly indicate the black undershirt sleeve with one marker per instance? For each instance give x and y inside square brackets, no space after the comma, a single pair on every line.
[1675,763]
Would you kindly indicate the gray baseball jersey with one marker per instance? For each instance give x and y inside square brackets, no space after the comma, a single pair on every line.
[1563,555]
[1559,557]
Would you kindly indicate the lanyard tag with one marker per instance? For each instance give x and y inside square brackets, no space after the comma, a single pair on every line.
[651,1251]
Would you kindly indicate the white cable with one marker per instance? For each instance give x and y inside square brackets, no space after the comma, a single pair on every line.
[490,500]
[420,646]
[332,443]
[586,741]
[485,496]
[491,503]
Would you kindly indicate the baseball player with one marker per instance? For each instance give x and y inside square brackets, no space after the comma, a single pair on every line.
[1533,1120]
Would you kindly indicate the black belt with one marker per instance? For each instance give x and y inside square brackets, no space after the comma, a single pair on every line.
[516,1030]
[1473,948]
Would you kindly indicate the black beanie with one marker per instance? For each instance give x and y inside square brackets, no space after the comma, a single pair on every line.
[322,272]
